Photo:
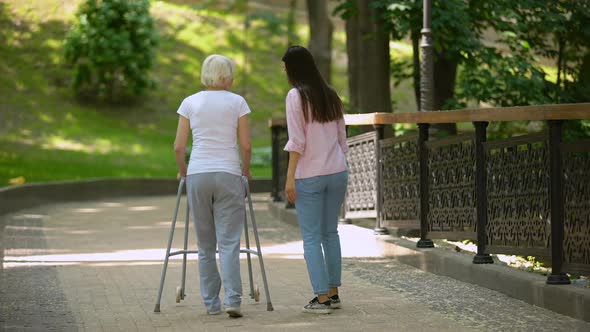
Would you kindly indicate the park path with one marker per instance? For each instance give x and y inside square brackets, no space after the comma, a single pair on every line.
[95,266]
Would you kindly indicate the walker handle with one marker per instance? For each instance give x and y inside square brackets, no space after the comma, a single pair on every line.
[246,185]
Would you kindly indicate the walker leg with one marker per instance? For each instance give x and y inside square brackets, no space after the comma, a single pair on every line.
[269,306]
[186,225]
[180,186]
[248,255]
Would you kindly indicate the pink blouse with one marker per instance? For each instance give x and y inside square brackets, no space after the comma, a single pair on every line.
[322,146]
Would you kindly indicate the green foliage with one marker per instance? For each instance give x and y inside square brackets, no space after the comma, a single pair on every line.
[556,30]
[458,28]
[533,265]
[261,156]
[500,79]
[401,69]
[575,130]
[271,21]
[346,9]
[508,71]
[111,47]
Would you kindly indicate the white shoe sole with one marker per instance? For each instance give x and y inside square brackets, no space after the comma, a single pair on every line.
[336,305]
[317,311]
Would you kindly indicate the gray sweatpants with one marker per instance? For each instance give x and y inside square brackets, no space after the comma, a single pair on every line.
[216,201]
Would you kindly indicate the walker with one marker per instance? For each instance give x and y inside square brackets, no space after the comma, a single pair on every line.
[180,290]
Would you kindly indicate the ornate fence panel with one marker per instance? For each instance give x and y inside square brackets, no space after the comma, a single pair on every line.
[362,176]
[451,165]
[518,196]
[576,168]
[400,180]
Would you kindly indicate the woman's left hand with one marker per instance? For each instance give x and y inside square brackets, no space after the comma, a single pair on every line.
[290,190]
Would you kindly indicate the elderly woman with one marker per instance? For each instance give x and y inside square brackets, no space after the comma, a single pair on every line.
[218,120]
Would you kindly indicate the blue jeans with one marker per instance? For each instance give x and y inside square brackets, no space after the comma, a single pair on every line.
[217,204]
[318,203]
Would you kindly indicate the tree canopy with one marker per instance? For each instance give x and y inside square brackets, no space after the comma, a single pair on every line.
[507,71]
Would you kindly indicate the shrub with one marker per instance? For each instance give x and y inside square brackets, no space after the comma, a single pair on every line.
[111,48]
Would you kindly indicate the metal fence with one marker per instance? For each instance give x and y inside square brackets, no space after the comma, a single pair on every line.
[576,187]
[517,171]
[280,158]
[400,180]
[451,184]
[525,195]
[361,196]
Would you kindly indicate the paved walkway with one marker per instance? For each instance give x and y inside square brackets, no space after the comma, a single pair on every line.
[95,266]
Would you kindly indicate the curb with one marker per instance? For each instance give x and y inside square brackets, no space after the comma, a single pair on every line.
[26,196]
[531,288]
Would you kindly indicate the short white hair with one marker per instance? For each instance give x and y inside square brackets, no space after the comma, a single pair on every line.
[216,70]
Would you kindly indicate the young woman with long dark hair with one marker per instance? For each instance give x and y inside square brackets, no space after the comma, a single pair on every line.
[317,175]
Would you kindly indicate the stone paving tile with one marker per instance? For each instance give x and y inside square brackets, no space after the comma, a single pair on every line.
[469,304]
[95,266]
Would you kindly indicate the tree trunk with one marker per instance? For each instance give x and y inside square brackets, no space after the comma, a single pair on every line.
[320,36]
[445,74]
[291,33]
[352,50]
[243,7]
[560,64]
[373,65]
[582,86]
[367,47]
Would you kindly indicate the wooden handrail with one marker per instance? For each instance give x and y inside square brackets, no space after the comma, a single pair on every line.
[518,113]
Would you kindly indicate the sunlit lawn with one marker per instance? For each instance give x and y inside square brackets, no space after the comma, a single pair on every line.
[47,135]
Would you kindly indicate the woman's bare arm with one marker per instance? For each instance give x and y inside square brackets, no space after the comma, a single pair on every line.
[290,185]
[180,145]
[245,144]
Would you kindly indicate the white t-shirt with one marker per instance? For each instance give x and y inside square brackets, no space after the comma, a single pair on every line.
[213,117]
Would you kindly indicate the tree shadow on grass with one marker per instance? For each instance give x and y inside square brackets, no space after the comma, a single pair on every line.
[25,69]
[39,103]
[36,80]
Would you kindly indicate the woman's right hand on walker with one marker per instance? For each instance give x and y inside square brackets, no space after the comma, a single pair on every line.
[290,190]
[180,175]
[247,173]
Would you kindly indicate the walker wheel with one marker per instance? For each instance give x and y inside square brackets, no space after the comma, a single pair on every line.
[178,294]
[256,293]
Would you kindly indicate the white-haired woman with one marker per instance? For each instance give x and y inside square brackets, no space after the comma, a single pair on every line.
[218,121]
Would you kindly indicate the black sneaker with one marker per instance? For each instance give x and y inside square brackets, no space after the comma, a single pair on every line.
[335,302]
[234,312]
[315,307]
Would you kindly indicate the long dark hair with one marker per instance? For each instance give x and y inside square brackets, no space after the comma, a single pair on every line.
[304,75]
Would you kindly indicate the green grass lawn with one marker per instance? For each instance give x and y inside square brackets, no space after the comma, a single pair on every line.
[45,134]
